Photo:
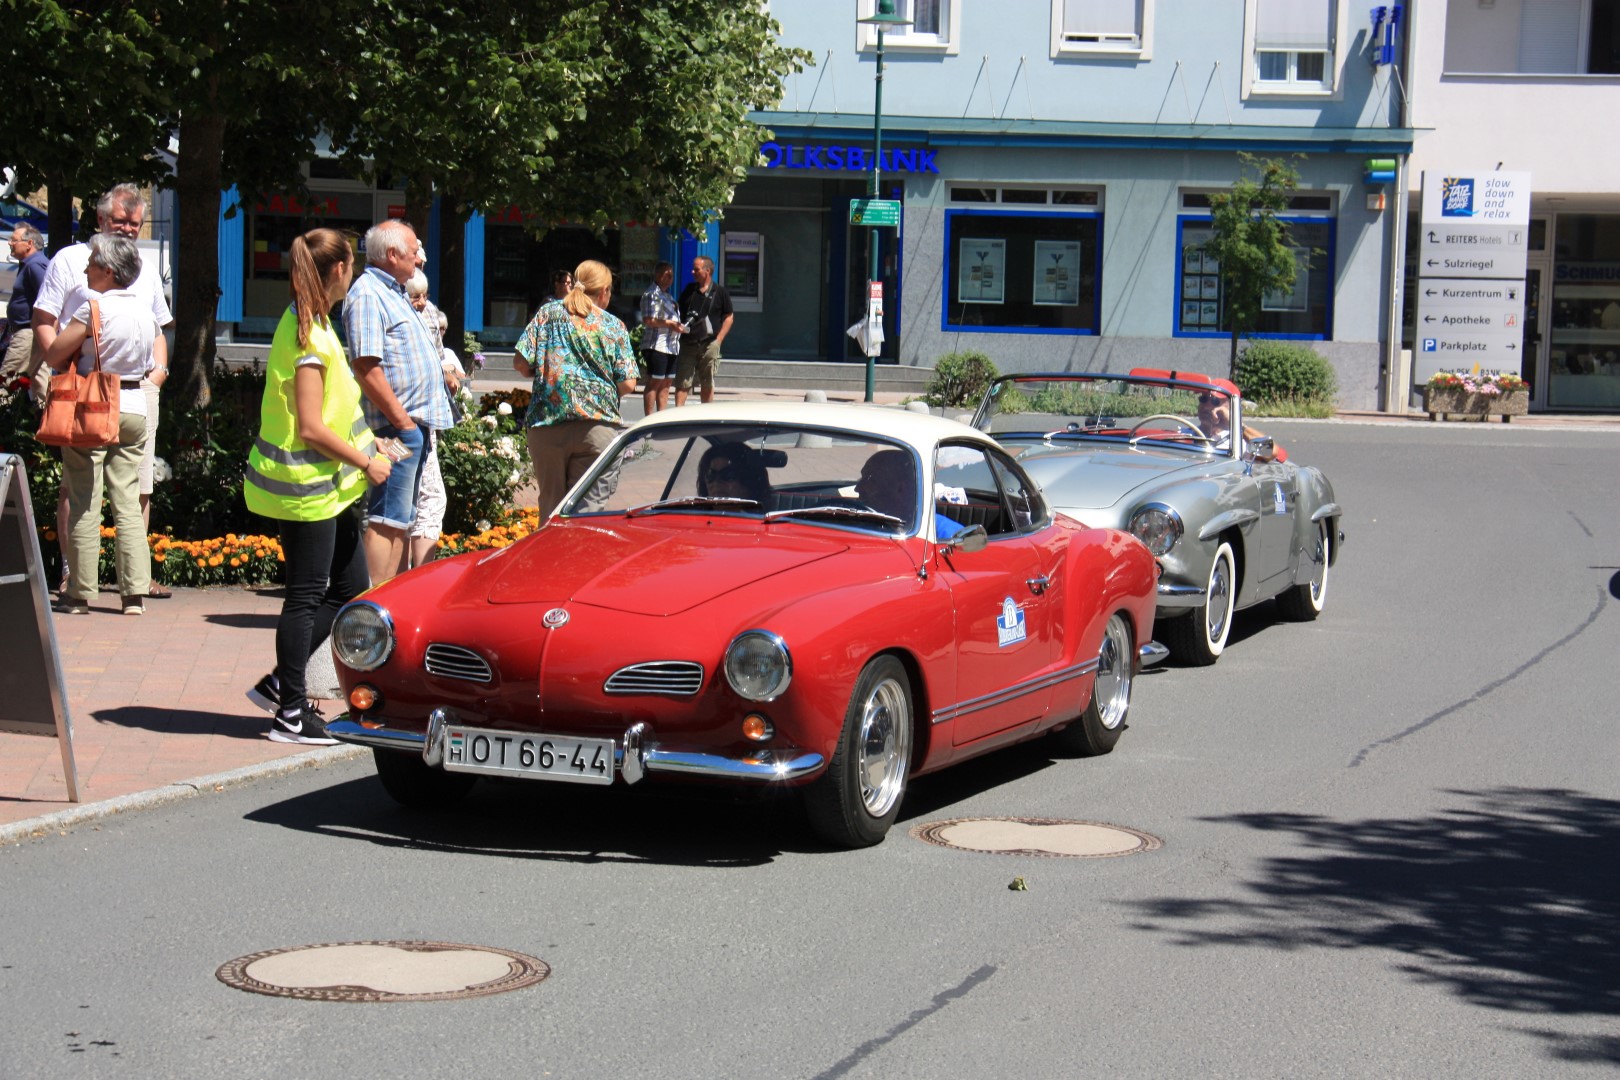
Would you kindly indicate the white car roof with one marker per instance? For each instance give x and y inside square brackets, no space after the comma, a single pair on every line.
[922,431]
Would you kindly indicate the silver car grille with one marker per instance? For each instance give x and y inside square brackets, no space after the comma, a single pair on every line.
[456,662]
[682,678]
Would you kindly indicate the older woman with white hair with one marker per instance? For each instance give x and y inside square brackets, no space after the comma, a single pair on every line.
[128,329]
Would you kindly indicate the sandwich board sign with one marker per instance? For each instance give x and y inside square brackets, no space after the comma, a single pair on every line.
[33,699]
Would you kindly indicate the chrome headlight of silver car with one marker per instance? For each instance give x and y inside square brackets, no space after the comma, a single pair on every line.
[363,635]
[1157,526]
[758,666]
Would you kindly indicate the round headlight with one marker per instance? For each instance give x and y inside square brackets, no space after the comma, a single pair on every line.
[363,635]
[1157,526]
[758,666]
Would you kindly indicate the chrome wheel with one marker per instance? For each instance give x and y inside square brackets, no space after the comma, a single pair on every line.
[1302,603]
[858,798]
[883,746]
[1218,601]
[1113,686]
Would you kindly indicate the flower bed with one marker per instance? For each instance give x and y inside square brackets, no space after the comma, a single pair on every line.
[1476,394]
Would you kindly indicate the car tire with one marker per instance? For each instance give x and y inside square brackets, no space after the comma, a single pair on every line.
[414,783]
[1302,603]
[857,799]
[1103,719]
[1200,637]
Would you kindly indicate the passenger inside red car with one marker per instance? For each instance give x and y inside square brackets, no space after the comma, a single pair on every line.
[733,471]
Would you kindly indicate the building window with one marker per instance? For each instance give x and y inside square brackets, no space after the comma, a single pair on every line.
[1102,27]
[1024,272]
[1026,195]
[1305,311]
[935,26]
[1294,46]
[1534,37]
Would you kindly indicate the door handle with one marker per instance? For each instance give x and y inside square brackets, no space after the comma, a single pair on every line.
[1037,585]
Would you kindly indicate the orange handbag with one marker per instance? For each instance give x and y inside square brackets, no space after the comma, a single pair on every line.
[82,410]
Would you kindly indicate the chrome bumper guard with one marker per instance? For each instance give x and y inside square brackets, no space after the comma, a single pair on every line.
[635,754]
[1151,654]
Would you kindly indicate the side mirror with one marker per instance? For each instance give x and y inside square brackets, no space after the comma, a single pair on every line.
[1263,448]
[972,538]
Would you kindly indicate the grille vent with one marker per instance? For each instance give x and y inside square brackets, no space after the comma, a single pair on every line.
[456,662]
[682,678]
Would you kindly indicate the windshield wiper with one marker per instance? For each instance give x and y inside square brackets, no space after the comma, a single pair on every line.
[706,502]
[857,513]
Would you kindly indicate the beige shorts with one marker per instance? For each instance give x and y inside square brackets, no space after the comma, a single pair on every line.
[699,361]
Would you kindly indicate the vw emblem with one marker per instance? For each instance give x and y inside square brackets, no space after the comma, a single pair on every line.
[554,618]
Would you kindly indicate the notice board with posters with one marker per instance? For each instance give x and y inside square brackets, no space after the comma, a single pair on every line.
[33,700]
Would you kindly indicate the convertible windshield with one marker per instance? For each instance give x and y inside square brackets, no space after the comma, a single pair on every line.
[770,471]
[1195,415]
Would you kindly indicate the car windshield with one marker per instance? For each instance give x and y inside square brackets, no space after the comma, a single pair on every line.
[772,472]
[1138,410]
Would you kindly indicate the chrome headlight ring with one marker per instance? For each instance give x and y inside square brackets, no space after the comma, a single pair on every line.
[363,635]
[758,665]
[1158,526]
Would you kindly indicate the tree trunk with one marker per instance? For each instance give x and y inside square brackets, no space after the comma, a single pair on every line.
[453,273]
[196,292]
[419,204]
[1231,359]
[59,214]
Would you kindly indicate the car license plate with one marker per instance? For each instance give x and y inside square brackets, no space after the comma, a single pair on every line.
[538,757]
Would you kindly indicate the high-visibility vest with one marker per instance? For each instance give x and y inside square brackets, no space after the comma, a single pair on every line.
[286,479]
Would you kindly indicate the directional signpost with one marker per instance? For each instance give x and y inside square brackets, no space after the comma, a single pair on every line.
[1471,264]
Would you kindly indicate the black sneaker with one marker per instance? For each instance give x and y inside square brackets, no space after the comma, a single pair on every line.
[303,726]
[266,693]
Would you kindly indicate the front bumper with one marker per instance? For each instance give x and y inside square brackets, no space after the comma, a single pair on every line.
[635,754]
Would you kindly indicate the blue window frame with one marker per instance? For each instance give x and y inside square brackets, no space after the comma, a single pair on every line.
[1305,314]
[1022,272]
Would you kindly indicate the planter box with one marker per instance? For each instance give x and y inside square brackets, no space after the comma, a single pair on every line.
[1454,401]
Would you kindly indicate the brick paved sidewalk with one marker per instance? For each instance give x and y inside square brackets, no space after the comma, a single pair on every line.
[154,700]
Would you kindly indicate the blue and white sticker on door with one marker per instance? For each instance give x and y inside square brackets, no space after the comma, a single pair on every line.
[1010,627]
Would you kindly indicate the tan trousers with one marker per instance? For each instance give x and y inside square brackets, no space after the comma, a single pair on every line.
[83,472]
[562,453]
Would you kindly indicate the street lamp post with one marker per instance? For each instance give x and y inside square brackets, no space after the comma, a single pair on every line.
[884,18]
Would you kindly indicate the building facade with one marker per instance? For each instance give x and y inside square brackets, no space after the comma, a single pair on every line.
[1054,160]
[1534,86]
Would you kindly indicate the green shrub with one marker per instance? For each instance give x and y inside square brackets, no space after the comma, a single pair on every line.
[960,379]
[1279,370]
[206,450]
[484,461]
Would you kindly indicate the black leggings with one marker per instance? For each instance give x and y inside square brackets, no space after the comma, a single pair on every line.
[326,568]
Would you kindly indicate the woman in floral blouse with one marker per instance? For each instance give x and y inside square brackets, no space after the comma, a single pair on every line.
[582,363]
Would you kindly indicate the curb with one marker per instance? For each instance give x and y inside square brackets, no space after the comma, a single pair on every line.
[39,827]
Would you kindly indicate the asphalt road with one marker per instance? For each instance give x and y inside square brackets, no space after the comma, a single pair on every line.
[1390,850]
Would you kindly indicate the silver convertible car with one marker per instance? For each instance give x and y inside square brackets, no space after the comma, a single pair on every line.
[1166,456]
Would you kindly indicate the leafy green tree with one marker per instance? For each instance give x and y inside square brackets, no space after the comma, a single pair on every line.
[596,113]
[75,77]
[1251,242]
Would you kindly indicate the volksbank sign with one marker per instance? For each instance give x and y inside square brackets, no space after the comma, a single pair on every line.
[847,158]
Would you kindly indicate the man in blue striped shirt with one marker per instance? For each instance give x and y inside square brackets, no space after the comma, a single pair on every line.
[397,364]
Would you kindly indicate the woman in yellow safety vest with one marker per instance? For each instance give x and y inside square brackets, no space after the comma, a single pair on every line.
[308,469]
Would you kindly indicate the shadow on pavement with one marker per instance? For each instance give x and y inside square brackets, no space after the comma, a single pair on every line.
[559,823]
[242,621]
[1511,901]
[182,721]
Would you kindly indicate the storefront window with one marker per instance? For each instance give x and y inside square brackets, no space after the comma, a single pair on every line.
[1305,311]
[1030,272]
[1584,362]
[518,269]
[271,227]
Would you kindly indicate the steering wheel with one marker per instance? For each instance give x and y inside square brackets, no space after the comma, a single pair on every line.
[1197,432]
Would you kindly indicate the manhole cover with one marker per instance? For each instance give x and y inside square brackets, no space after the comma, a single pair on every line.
[1053,837]
[383,971]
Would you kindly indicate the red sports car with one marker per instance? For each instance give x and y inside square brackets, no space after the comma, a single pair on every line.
[825,597]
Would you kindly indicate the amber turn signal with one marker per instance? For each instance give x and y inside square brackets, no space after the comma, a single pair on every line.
[363,697]
[757,728]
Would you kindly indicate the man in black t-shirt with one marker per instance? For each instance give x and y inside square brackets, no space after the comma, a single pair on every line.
[706,314]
